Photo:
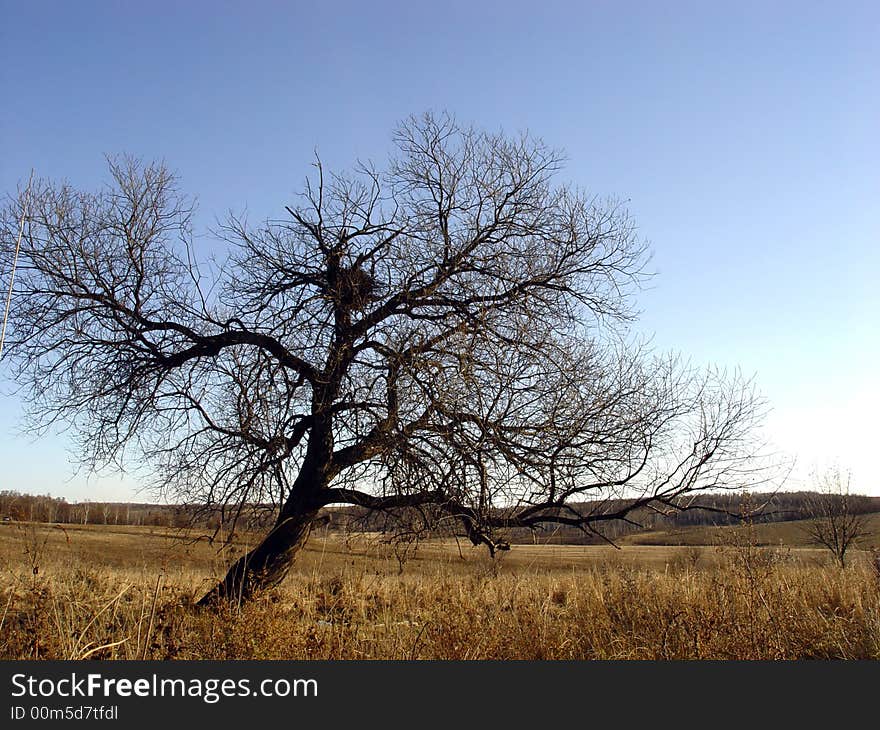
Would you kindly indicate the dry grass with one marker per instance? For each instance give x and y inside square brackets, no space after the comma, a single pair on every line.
[125,593]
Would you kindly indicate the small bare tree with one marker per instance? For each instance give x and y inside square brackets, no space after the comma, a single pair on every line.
[447,334]
[834,522]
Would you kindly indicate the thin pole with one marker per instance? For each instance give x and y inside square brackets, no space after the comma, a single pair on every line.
[24,212]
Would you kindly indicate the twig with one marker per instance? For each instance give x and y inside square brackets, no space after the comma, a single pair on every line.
[6,610]
[99,613]
[24,211]
[152,616]
[88,653]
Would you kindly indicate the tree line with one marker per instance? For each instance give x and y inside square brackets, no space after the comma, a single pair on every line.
[716,510]
[19,507]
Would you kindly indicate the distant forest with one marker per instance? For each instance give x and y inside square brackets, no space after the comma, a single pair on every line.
[720,509]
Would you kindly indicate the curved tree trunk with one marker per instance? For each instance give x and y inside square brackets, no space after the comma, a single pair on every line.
[266,565]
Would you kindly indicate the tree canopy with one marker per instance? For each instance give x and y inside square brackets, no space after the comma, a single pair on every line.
[449,333]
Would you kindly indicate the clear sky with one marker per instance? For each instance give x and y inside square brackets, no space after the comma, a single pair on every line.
[744,136]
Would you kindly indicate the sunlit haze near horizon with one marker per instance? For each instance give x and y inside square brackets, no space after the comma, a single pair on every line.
[743,138]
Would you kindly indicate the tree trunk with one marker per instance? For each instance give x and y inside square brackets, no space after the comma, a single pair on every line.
[266,565]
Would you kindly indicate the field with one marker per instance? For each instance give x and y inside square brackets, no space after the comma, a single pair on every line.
[122,592]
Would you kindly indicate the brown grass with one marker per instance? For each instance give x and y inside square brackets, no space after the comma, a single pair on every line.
[126,593]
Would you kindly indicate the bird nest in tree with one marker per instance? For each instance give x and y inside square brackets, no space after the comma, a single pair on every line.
[355,288]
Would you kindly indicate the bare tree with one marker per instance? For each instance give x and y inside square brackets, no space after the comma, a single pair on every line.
[450,333]
[835,522]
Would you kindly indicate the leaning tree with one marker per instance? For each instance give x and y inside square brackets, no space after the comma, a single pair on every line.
[448,334]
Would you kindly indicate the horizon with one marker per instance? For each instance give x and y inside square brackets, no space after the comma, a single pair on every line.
[742,139]
[340,505]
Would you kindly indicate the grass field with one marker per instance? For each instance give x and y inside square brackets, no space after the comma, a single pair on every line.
[126,592]
[771,534]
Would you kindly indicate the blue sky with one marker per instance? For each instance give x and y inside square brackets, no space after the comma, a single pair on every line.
[742,135]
